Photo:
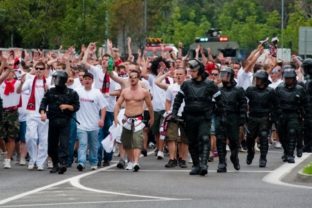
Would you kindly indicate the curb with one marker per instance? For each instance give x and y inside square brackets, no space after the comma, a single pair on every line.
[276,176]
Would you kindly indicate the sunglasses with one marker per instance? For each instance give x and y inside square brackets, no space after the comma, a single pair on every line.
[133,77]
[214,74]
[40,68]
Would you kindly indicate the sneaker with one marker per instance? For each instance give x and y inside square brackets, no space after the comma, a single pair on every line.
[94,167]
[136,167]
[160,155]
[277,145]
[121,164]
[40,168]
[7,163]
[31,166]
[182,164]
[22,162]
[129,166]
[80,167]
[151,145]
[171,164]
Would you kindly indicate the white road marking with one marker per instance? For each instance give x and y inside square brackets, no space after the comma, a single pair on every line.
[209,171]
[276,176]
[75,180]
[86,202]
[76,183]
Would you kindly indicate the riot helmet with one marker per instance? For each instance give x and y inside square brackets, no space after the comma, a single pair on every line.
[262,78]
[60,78]
[227,75]
[195,64]
[289,75]
[307,66]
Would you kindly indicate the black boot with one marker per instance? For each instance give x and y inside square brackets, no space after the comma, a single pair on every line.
[204,155]
[262,161]
[234,159]
[221,148]
[291,146]
[62,169]
[264,147]
[250,142]
[55,168]
[195,170]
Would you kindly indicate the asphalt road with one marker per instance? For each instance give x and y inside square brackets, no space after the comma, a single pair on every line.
[154,186]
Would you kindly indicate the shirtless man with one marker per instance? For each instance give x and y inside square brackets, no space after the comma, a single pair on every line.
[134,97]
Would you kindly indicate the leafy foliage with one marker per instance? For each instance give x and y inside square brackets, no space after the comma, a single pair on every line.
[51,23]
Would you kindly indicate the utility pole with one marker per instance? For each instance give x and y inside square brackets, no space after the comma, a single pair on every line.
[282,24]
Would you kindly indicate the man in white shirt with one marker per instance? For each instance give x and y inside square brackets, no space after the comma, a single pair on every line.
[9,125]
[91,103]
[37,130]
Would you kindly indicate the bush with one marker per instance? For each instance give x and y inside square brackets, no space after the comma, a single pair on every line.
[308,169]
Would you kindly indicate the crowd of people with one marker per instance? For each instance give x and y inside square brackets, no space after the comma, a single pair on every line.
[57,106]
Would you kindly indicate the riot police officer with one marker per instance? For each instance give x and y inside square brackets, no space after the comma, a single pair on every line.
[261,111]
[62,102]
[307,68]
[233,116]
[198,94]
[291,104]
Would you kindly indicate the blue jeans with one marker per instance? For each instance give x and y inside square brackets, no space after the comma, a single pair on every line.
[87,139]
[103,132]
[72,140]
[22,132]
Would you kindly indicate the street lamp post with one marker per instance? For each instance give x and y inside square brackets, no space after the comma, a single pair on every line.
[282,23]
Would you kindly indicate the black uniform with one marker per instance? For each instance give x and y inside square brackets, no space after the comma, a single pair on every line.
[228,122]
[292,102]
[59,123]
[262,100]
[198,97]
[307,67]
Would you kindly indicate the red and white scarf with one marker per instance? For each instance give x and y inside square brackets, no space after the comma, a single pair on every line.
[32,100]
[106,83]
[9,86]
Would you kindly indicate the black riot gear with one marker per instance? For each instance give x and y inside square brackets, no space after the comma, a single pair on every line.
[61,103]
[292,103]
[261,111]
[228,122]
[60,78]
[198,97]
[307,67]
[263,76]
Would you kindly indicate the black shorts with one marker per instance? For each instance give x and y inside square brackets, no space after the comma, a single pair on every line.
[146,118]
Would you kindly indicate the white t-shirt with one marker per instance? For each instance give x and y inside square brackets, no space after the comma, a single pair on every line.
[275,84]
[91,102]
[22,111]
[39,93]
[244,79]
[98,84]
[11,99]
[159,95]
[171,93]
